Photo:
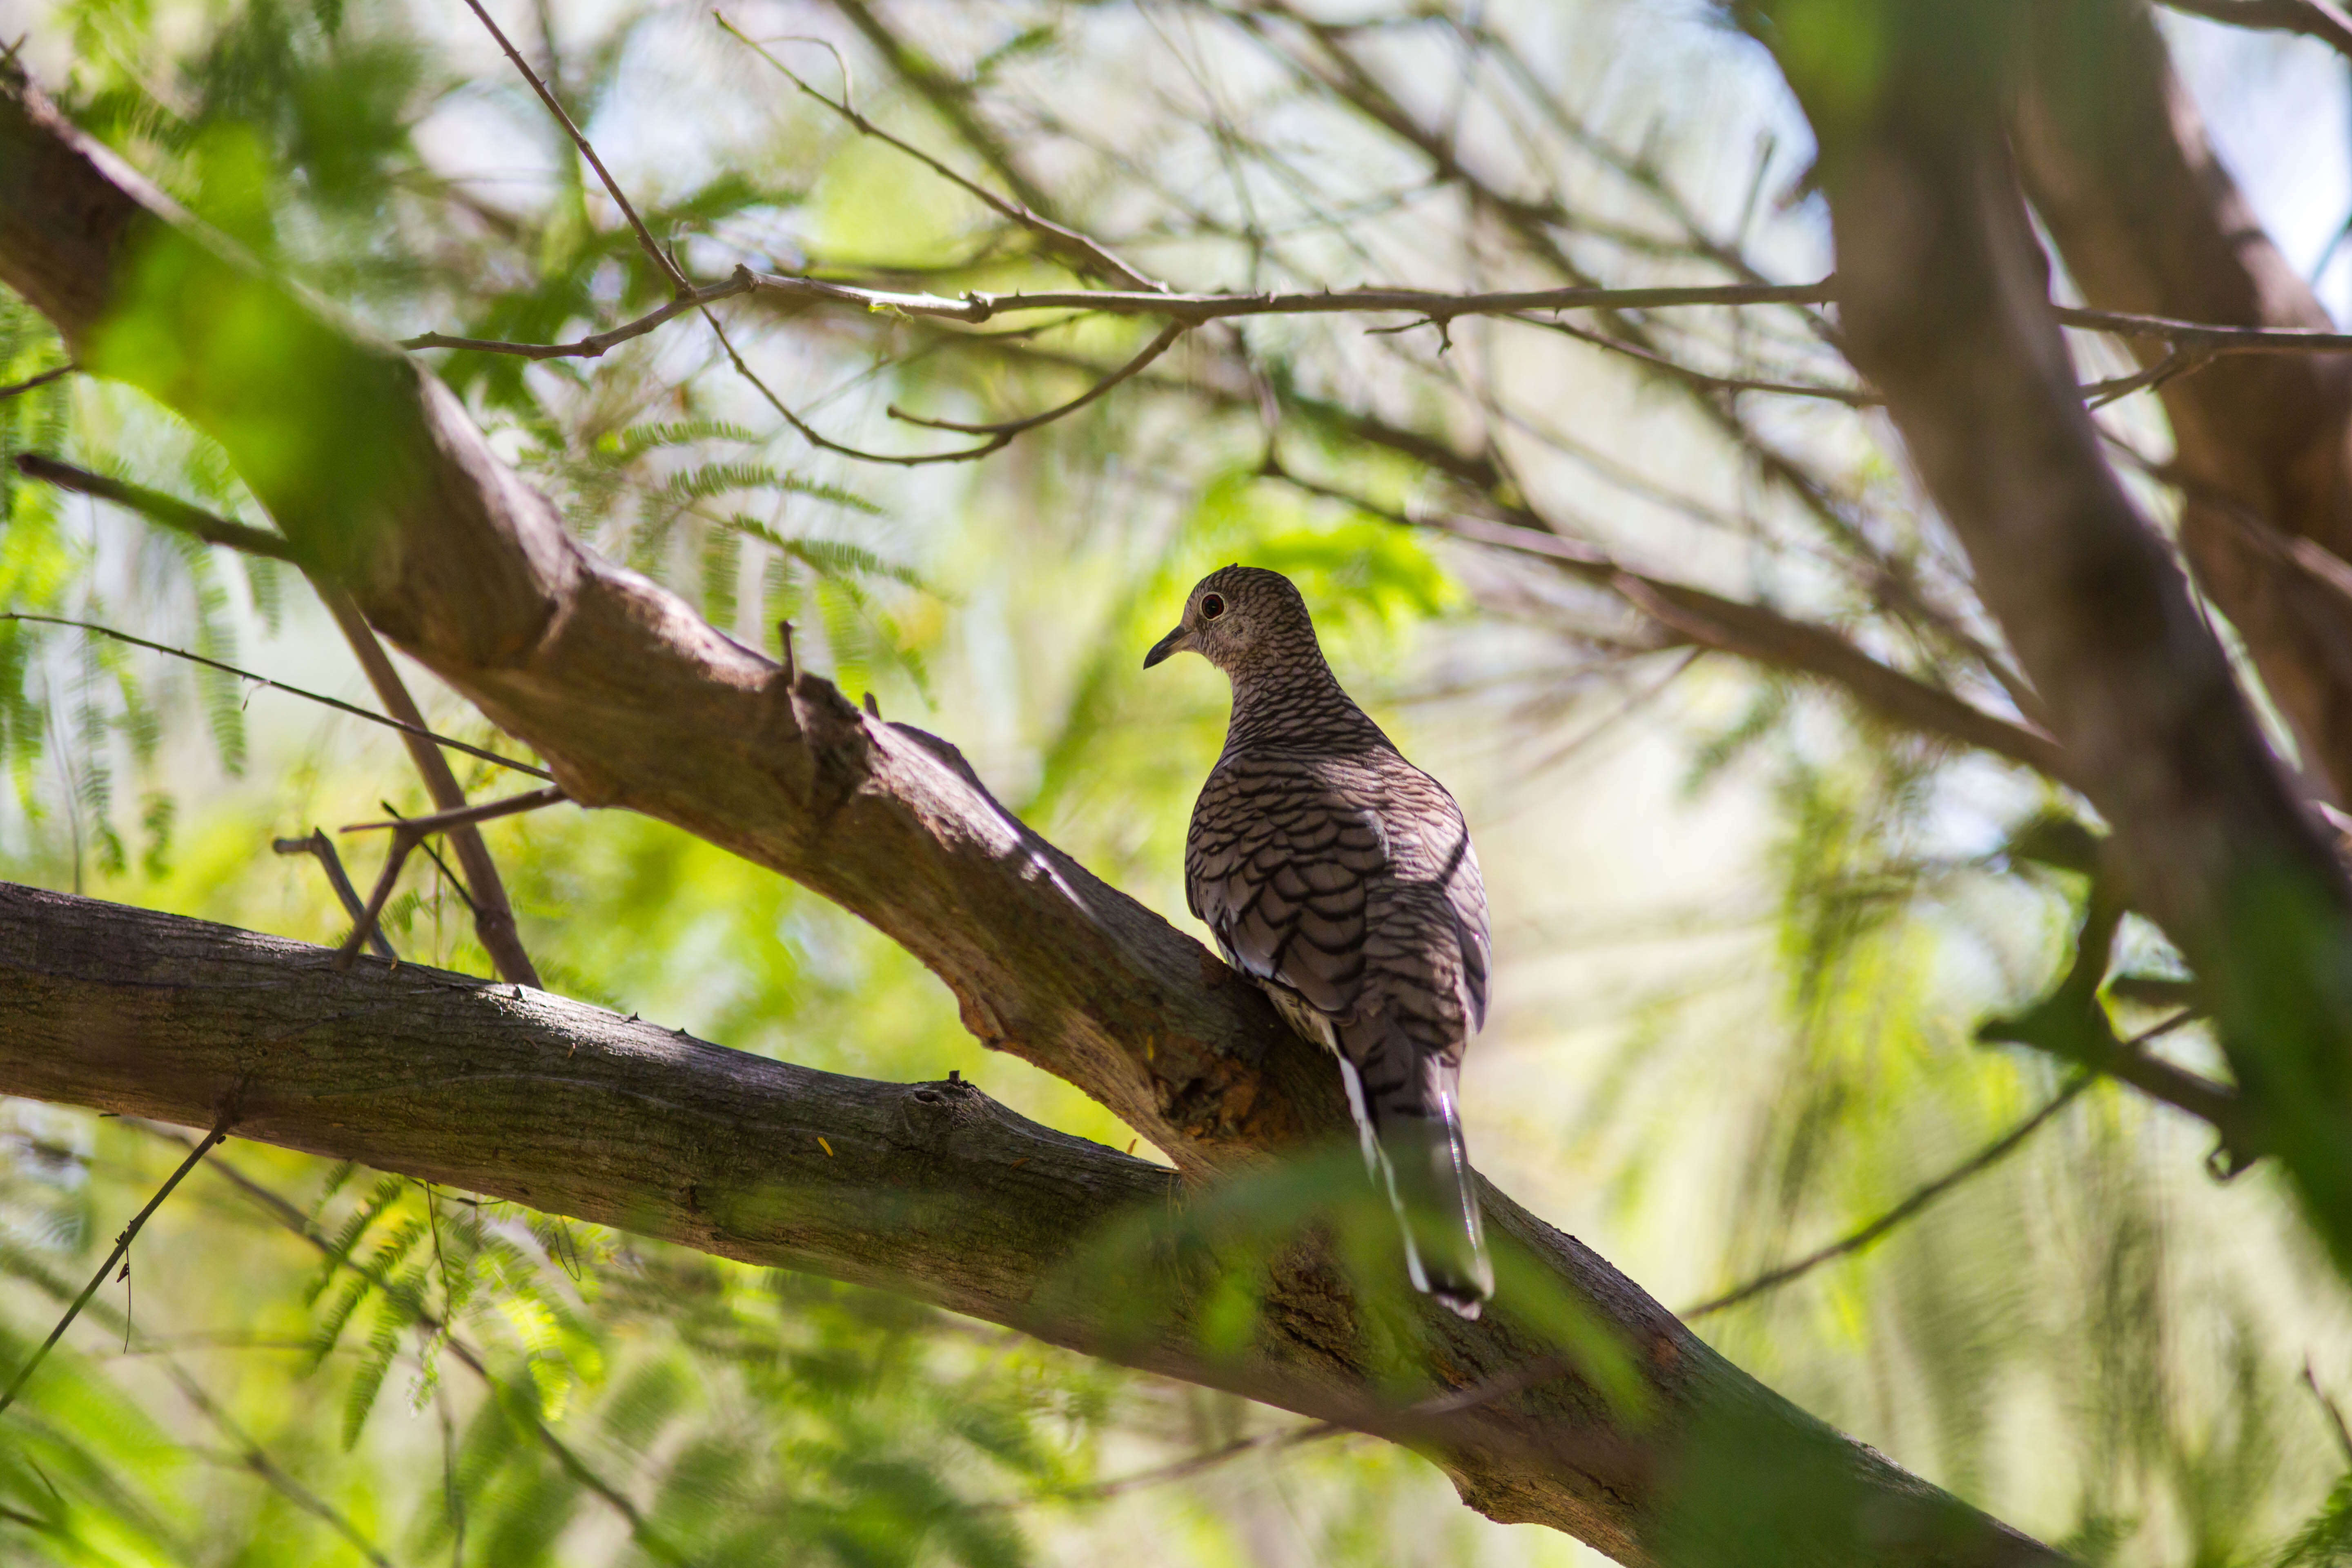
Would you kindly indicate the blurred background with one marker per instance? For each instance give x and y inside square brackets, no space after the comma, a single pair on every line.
[1744,935]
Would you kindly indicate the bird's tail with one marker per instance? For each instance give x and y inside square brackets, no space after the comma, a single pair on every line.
[1402,1097]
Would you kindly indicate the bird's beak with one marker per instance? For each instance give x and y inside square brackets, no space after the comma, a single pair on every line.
[1172,643]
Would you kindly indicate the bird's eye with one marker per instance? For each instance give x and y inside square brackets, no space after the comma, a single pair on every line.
[1211,605]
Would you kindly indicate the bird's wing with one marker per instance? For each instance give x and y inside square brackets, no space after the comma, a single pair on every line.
[1430,940]
[1279,865]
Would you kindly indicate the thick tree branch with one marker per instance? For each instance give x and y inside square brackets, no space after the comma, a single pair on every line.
[929,1190]
[1944,305]
[371,468]
[2117,160]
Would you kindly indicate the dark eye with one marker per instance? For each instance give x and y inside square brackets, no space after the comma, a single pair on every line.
[1211,605]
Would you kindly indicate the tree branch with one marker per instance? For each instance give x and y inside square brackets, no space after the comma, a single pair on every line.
[1944,306]
[1190,310]
[2321,19]
[1082,254]
[1753,632]
[493,915]
[646,241]
[372,468]
[929,1190]
[2158,236]
[485,891]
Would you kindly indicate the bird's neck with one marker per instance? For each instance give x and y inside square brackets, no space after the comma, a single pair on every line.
[1296,703]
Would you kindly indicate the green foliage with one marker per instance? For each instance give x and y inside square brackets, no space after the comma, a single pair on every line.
[2086,1339]
[2325,1541]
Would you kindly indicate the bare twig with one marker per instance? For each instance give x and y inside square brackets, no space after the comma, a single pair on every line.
[1863,1236]
[1011,427]
[42,379]
[320,845]
[121,1246]
[167,509]
[1192,310]
[408,832]
[1851,396]
[494,918]
[1086,255]
[818,438]
[2206,336]
[2334,1415]
[337,703]
[2180,361]
[595,345]
[1747,631]
[661,260]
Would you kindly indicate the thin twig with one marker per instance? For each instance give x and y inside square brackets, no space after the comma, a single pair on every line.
[1011,427]
[595,344]
[335,703]
[408,832]
[494,919]
[121,1246]
[169,511]
[2207,335]
[1851,396]
[1192,309]
[320,845]
[1087,255]
[42,379]
[612,186]
[1195,309]
[1429,305]
[2180,361]
[818,438]
[1863,1236]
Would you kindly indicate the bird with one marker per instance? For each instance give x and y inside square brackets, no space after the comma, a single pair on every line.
[1341,878]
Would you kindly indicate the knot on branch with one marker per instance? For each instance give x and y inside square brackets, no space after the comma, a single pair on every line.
[929,1114]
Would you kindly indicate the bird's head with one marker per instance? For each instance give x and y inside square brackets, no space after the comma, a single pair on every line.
[1237,616]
